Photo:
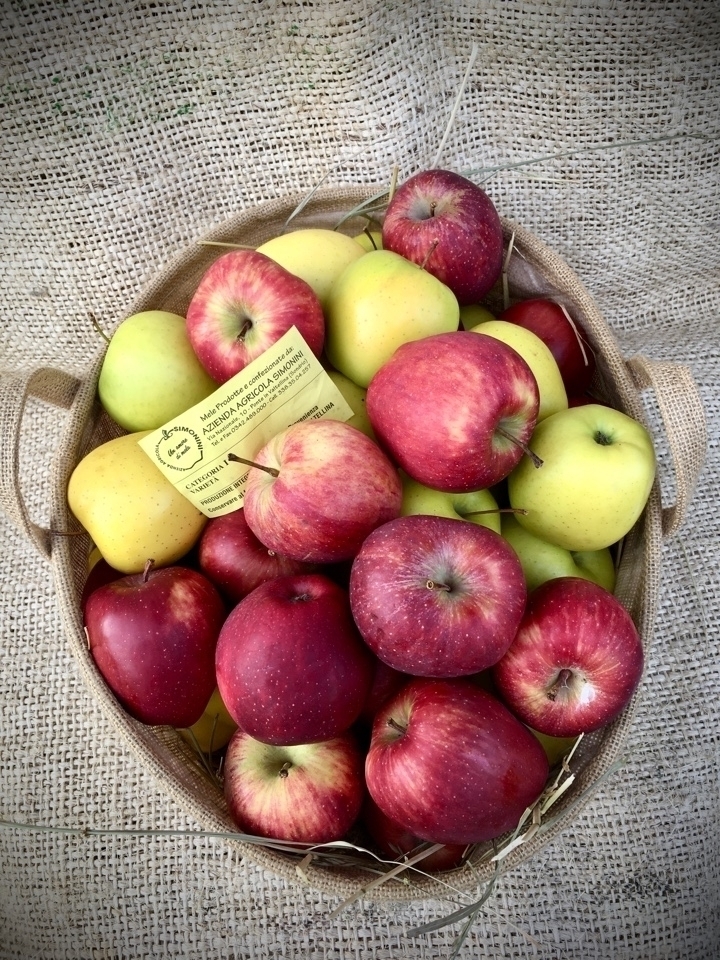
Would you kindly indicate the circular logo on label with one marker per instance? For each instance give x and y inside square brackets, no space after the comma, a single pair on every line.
[179,448]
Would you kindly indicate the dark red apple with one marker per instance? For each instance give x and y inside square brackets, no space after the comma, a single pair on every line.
[576,659]
[451,764]
[397,842]
[291,666]
[448,224]
[153,636]
[583,399]
[454,410]
[232,557]
[385,683]
[99,574]
[437,597]
[564,336]
[310,793]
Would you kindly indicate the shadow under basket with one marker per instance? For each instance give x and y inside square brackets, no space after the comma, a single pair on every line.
[533,270]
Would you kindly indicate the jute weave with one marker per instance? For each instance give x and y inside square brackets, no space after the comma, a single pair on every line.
[130,131]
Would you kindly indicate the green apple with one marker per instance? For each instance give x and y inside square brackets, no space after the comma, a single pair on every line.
[418,498]
[555,747]
[355,398]
[538,357]
[378,303]
[542,561]
[473,314]
[597,472]
[150,373]
[316,255]
[94,557]
[131,511]
[371,240]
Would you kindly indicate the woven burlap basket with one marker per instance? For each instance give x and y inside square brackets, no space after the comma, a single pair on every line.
[533,270]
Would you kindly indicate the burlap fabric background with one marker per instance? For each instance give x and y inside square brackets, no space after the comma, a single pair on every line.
[130,129]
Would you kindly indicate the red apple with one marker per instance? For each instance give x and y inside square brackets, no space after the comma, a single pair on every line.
[583,399]
[575,661]
[451,764]
[310,793]
[291,666]
[243,304]
[99,574]
[332,486]
[564,337]
[397,842]
[152,636]
[449,225]
[385,683]
[454,410]
[232,557]
[436,597]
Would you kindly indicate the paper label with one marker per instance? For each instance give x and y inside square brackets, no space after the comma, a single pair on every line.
[285,385]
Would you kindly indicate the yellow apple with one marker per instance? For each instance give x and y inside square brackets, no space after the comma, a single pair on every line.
[542,561]
[214,728]
[315,254]
[538,357]
[418,498]
[355,398]
[371,241]
[597,472]
[150,373]
[378,303]
[131,511]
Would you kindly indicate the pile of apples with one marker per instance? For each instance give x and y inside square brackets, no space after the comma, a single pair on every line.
[411,617]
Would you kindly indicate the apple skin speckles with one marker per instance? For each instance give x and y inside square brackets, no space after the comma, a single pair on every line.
[576,659]
[437,597]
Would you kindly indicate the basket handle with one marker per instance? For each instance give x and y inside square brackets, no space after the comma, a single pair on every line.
[46,384]
[677,396]
[683,417]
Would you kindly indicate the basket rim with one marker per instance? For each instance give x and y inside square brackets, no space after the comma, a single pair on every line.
[150,745]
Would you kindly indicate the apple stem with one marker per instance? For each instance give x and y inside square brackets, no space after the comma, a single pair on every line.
[149,564]
[431,250]
[396,726]
[561,683]
[523,446]
[476,513]
[251,463]
[245,329]
[434,585]
[284,769]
